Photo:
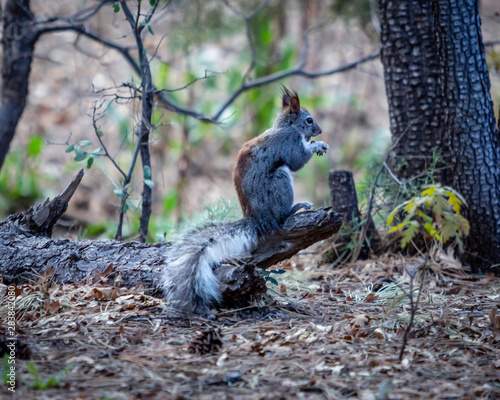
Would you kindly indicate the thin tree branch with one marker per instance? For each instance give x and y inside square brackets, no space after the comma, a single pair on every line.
[413,304]
[277,76]
[146,113]
[248,30]
[80,29]
[365,226]
[96,131]
[298,70]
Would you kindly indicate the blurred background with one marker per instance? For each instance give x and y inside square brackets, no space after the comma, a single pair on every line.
[192,161]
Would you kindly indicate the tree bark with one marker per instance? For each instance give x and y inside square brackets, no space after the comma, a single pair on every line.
[343,194]
[345,202]
[27,250]
[18,43]
[438,90]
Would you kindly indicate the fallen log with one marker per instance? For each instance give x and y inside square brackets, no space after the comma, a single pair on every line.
[27,250]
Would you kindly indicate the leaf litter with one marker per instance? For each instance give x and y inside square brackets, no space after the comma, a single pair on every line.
[322,333]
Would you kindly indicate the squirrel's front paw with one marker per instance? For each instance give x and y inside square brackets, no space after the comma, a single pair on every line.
[320,148]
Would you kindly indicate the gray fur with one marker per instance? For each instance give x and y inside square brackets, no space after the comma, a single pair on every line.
[268,183]
[188,280]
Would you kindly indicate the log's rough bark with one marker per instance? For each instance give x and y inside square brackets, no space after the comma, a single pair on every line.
[18,41]
[438,89]
[27,250]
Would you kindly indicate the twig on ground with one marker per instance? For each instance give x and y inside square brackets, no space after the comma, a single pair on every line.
[413,304]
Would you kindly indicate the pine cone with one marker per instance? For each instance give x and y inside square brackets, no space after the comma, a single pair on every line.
[208,341]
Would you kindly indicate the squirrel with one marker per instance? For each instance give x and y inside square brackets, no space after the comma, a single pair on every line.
[264,186]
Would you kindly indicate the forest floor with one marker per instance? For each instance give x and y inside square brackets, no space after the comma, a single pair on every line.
[323,333]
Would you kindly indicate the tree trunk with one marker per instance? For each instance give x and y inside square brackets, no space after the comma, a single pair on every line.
[411,71]
[438,90]
[18,45]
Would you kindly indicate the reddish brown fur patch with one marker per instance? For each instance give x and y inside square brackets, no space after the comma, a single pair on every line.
[291,101]
[243,162]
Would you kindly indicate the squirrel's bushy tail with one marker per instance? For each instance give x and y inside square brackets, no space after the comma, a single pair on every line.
[188,281]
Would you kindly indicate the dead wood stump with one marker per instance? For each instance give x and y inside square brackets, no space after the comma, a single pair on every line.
[345,202]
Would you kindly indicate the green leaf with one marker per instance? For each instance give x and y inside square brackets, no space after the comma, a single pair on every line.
[35,145]
[98,150]
[430,229]
[448,229]
[455,203]
[409,233]
[33,371]
[391,216]
[70,148]
[398,227]
[425,217]
[90,161]
[119,192]
[429,191]
[170,201]
[149,183]
[84,143]
[80,155]
[116,8]
[272,280]
[278,271]
[100,133]
[131,205]
[147,172]
[439,204]
[152,3]
[150,30]
[125,208]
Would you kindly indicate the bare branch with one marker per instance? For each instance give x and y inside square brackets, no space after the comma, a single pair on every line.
[248,29]
[364,227]
[80,29]
[148,91]
[298,70]
[491,43]
[79,17]
[199,78]
[96,131]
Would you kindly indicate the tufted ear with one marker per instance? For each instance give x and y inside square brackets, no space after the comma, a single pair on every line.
[291,101]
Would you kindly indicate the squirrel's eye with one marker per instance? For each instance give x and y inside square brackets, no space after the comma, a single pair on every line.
[309,121]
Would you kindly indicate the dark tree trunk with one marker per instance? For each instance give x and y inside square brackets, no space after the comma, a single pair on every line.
[343,194]
[438,90]
[345,202]
[18,44]
[411,70]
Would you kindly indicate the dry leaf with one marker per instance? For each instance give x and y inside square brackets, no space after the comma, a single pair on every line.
[360,321]
[134,337]
[370,298]
[110,293]
[283,289]
[487,278]
[494,320]
[51,306]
